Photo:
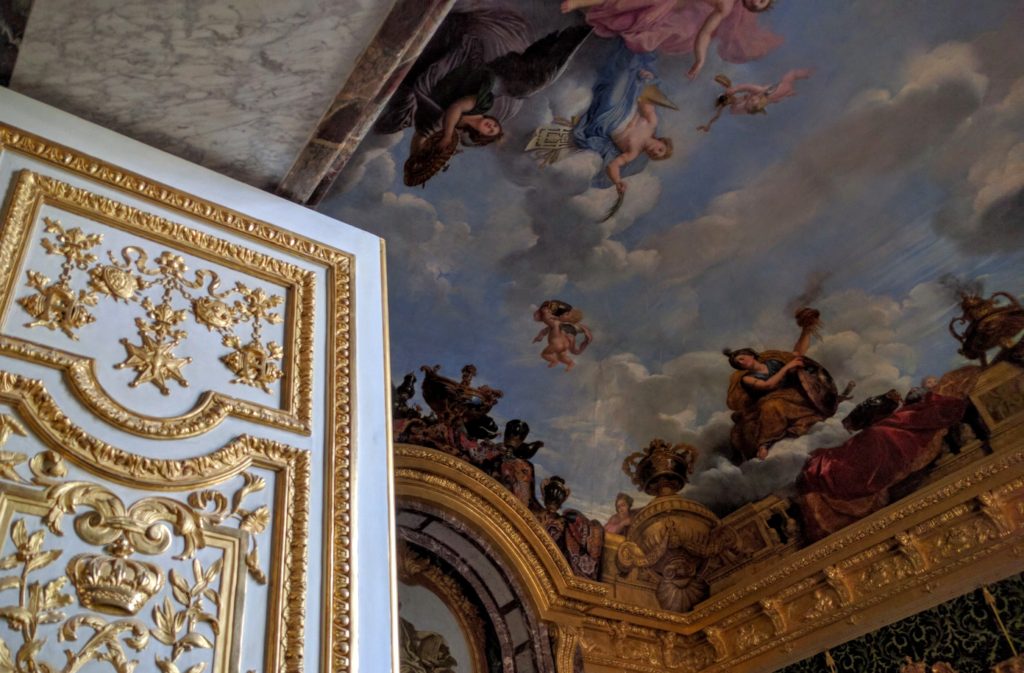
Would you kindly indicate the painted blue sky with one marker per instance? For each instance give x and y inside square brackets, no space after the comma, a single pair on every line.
[901,160]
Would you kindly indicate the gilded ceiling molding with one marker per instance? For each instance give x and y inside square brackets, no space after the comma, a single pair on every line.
[338,358]
[933,543]
[478,500]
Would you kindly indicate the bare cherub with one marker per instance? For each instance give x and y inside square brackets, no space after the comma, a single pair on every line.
[753,99]
[638,137]
[562,324]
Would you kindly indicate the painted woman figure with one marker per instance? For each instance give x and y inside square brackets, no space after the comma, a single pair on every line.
[681,26]
[766,398]
[620,522]
[473,75]
[753,99]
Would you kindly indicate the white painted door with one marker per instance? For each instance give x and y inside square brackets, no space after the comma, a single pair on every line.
[194,461]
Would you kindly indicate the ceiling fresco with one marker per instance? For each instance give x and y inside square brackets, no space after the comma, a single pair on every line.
[605,198]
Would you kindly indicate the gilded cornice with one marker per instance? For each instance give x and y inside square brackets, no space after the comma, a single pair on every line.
[922,545]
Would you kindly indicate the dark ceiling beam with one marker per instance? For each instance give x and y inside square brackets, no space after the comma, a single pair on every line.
[13,19]
[374,79]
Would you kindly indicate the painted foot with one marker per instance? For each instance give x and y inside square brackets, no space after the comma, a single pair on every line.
[570,5]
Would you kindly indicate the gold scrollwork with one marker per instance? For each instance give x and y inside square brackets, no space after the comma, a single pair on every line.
[40,604]
[752,634]
[214,408]
[825,602]
[251,521]
[112,583]
[126,277]
[963,538]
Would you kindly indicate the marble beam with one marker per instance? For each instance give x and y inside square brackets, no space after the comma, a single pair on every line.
[13,18]
[377,74]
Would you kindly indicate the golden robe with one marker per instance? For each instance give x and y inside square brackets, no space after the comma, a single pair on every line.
[765,418]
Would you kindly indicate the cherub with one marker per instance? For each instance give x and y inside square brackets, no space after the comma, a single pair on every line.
[753,99]
[620,124]
[680,26]
[561,325]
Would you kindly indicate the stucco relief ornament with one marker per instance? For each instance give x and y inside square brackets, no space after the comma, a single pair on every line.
[56,305]
[125,278]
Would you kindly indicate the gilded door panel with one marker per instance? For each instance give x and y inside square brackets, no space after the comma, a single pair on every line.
[176,381]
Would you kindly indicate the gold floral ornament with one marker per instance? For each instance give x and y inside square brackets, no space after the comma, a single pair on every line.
[170,622]
[40,604]
[254,363]
[10,459]
[252,521]
[56,305]
[126,279]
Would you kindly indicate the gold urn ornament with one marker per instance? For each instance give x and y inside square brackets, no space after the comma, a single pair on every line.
[661,469]
[114,585]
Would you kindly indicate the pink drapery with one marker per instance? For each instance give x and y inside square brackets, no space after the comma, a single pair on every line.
[671,27]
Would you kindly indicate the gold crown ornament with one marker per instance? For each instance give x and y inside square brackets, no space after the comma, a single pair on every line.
[661,468]
[114,585]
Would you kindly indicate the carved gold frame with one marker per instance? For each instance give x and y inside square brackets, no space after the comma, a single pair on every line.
[32,191]
[930,546]
[291,466]
[337,612]
[15,499]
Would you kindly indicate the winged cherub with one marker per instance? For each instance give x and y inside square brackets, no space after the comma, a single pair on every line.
[561,325]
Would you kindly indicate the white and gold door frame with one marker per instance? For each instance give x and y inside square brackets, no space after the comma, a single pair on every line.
[194,460]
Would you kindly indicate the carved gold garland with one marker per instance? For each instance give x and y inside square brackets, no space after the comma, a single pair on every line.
[60,305]
[336,615]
